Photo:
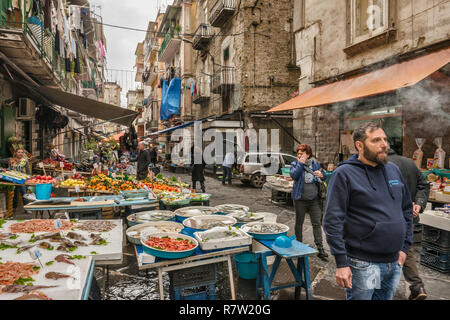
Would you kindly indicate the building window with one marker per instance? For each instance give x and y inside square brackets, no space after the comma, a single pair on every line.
[226,54]
[368,19]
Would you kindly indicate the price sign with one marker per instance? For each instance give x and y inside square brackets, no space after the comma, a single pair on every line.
[34,253]
[77,188]
[95,166]
[58,223]
[61,164]
[74,171]
[67,215]
[41,165]
[113,175]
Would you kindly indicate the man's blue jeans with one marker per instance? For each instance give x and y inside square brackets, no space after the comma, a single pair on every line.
[373,281]
[226,171]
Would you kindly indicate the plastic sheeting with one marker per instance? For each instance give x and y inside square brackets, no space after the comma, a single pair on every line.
[171,98]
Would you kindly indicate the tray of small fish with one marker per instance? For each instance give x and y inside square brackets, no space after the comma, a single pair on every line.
[134,232]
[206,222]
[147,216]
[222,237]
[229,208]
[187,212]
[243,217]
[265,230]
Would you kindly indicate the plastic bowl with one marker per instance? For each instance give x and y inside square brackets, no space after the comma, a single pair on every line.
[265,236]
[187,212]
[168,254]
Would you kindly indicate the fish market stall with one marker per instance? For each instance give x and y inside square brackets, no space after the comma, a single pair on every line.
[281,187]
[101,240]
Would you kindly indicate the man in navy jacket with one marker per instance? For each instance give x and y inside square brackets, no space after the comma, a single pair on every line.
[368,219]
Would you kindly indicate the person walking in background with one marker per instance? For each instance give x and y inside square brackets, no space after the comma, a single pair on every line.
[227,165]
[143,161]
[368,219]
[197,169]
[419,189]
[19,162]
[307,173]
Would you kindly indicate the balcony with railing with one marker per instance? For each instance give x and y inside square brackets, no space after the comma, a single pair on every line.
[30,46]
[169,47]
[223,80]
[149,76]
[202,90]
[221,12]
[202,37]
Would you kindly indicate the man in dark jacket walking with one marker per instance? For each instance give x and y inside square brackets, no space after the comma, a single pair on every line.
[419,189]
[368,219]
[143,160]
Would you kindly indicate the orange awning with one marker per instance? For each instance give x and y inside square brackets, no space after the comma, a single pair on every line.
[394,77]
[115,137]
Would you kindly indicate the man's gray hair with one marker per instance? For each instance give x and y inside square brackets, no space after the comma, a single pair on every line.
[360,133]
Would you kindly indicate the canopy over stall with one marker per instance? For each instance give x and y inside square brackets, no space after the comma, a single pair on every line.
[397,76]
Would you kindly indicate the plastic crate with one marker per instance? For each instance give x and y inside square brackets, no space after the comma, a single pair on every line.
[436,237]
[434,258]
[195,276]
[205,292]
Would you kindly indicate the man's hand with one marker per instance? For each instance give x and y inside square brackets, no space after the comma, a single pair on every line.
[416,209]
[401,258]
[344,277]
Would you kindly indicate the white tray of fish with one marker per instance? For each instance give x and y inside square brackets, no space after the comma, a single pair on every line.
[222,237]
[229,208]
[208,222]
[246,216]
[193,211]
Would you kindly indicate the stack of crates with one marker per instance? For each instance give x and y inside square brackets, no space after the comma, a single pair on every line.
[197,283]
[435,249]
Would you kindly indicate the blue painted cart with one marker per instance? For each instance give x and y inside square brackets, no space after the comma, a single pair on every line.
[300,272]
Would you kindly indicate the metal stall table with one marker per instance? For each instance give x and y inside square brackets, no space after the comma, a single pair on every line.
[198,259]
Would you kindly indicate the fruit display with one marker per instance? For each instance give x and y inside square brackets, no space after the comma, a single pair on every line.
[53,164]
[40,179]
[73,183]
[159,187]
[13,176]
[102,182]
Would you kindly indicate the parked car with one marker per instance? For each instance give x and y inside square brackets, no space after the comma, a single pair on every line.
[255,168]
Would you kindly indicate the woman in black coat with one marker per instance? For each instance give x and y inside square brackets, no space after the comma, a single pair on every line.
[197,170]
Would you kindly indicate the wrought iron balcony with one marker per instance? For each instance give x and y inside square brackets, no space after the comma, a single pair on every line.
[221,12]
[169,47]
[223,80]
[202,36]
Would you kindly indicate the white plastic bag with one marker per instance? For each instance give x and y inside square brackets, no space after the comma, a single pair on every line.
[439,154]
[418,154]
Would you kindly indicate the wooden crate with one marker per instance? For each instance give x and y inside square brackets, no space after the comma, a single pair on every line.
[107,213]
[9,203]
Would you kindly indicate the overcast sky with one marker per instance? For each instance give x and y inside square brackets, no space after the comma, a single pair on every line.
[121,44]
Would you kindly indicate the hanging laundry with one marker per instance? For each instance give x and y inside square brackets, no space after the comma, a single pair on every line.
[47,14]
[77,68]
[75,17]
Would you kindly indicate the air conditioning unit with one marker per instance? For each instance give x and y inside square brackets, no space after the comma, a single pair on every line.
[26,109]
